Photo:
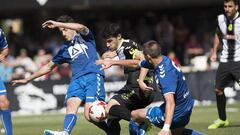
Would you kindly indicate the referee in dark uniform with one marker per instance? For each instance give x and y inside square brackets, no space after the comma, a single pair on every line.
[228,34]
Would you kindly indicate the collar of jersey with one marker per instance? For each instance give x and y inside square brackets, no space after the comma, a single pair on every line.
[120,45]
[75,38]
[163,60]
[236,16]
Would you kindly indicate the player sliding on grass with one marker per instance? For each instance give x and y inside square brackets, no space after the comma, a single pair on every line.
[86,85]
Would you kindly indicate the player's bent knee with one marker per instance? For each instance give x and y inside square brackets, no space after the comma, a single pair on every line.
[219,92]
[134,115]
[111,103]
[4,103]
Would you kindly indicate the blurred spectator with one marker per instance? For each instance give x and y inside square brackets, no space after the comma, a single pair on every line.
[180,37]
[18,72]
[64,71]
[164,34]
[144,31]
[193,48]
[42,58]
[6,71]
[25,61]
[173,57]
[207,42]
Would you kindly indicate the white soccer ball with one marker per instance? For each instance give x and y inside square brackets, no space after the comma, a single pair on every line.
[97,111]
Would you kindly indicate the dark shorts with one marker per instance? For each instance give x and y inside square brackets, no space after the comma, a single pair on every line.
[133,97]
[226,74]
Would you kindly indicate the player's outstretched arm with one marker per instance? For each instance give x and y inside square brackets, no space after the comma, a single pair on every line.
[126,63]
[44,70]
[142,85]
[169,111]
[73,26]
[215,48]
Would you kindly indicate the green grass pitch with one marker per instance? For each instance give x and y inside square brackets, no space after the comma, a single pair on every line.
[201,118]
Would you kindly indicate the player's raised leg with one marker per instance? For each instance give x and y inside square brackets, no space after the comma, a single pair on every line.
[94,91]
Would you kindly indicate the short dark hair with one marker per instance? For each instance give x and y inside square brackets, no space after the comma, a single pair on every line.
[65,19]
[152,48]
[111,30]
[234,1]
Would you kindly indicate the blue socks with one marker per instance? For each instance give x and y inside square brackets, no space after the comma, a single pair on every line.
[7,121]
[191,132]
[136,129]
[69,122]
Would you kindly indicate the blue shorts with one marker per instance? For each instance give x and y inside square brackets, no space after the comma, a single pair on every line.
[156,116]
[2,88]
[88,88]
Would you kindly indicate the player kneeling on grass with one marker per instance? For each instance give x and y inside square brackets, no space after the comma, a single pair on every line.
[86,85]
[176,110]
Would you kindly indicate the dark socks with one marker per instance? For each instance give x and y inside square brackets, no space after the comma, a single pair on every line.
[114,127]
[102,125]
[221,106]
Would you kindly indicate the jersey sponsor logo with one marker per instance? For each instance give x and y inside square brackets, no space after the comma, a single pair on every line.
[133,51]
[230,27]
[77,49]
[127,95]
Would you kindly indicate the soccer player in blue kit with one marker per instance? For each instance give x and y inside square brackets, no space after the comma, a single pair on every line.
[4,103]
[176,110]
[86,84]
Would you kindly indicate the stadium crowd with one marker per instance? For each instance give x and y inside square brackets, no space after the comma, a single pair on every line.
[181,40]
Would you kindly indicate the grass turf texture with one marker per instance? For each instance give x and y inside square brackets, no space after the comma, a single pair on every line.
[202,116]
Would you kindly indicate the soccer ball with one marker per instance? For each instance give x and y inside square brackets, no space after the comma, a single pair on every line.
[97,111]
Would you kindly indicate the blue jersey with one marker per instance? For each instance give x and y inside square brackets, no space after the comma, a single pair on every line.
[171,80]
[3,44]
[81,54]
[3,41]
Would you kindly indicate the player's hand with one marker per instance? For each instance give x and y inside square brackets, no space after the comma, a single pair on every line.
[50,24]
[105,64]
[144,87]
[213,57]
[2,57]
[22,81]
[163,132]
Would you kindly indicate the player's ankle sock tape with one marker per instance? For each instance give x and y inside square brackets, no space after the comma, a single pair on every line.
[221,106]
[120,112]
